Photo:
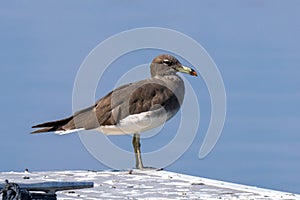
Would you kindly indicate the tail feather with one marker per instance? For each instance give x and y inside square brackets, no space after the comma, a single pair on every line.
[54,123]
[43,130]
[85,119]
[52,126]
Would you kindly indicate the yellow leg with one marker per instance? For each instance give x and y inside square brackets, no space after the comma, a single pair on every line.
[137,151]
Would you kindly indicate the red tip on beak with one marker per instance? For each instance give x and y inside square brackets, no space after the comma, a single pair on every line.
[193,73]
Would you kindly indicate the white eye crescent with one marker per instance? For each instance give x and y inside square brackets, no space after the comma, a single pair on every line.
[167,62]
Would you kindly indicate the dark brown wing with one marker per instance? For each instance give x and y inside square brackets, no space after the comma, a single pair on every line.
[137,98]
[118,104]
[151,96]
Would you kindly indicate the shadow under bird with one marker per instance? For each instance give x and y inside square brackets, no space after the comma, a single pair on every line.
[131,108]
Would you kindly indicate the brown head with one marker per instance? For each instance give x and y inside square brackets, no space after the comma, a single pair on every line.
[168,65]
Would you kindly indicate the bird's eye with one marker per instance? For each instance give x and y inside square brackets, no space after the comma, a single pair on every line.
[167,62]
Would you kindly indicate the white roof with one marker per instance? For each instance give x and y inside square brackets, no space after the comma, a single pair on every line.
[147,184]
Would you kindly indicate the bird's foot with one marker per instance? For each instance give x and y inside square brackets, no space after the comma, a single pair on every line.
[142,168]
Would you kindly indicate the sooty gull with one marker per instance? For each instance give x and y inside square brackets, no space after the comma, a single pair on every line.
[131,108]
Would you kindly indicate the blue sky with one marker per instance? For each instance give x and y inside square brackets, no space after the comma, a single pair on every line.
[255,44]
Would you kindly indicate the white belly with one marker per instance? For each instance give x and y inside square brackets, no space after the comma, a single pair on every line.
[137,123]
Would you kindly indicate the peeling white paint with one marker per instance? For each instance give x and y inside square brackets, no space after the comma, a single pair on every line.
[147,185]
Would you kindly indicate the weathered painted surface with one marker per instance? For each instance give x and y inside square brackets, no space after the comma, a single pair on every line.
[53,186]
[146,185]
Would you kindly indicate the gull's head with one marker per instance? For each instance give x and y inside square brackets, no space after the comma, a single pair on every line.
[167,65]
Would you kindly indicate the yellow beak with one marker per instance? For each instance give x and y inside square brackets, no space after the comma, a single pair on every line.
[187,70]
